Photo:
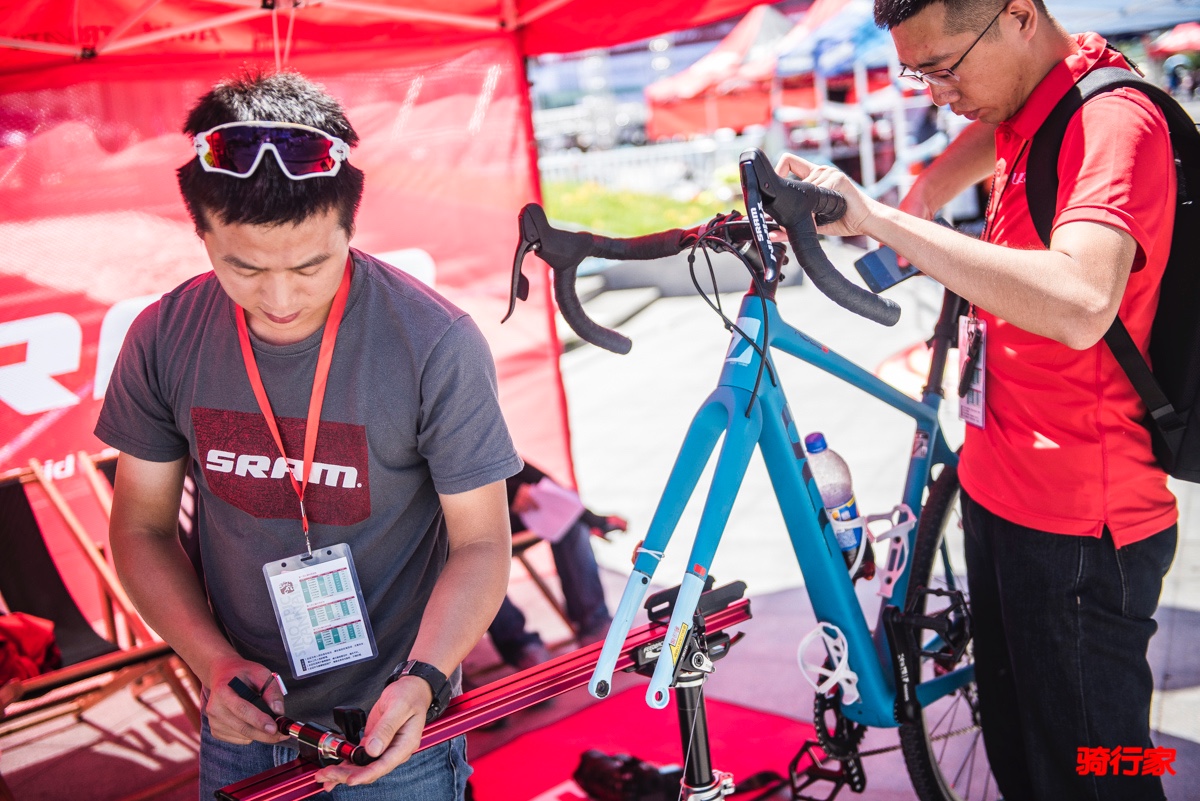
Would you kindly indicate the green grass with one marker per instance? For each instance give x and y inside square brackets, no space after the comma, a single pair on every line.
[622,213]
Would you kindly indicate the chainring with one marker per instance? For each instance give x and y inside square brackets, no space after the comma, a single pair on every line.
[843,741]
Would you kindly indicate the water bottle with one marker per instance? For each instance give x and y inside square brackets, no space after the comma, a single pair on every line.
[833,482]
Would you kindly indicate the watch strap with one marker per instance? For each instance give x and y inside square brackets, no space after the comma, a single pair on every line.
[436,679]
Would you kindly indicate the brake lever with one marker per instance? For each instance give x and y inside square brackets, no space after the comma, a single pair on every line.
[769,182]
[754,187]
[530,240]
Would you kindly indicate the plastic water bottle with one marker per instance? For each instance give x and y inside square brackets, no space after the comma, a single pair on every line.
[833,482]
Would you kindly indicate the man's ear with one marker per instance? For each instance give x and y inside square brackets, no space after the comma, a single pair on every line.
[1026,15]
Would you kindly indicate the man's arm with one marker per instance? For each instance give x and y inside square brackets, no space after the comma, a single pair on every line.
[1069,293]
[464,601]
[164,587]
[966,161]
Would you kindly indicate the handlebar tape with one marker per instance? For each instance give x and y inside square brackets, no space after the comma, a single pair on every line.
[651,246]
[641,248]
[572,310]
[565,250]
[794,205]
[799,207]
[835,286]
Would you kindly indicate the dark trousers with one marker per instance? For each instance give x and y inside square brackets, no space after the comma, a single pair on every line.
[1062,624]
[582,590]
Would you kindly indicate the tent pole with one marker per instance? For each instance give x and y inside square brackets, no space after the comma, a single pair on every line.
[535,185]
[170,33]
[119,31]
[545,8]
[421,15]
[41,47]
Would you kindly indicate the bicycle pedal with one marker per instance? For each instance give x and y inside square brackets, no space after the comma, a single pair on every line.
[952,625]
[849,773]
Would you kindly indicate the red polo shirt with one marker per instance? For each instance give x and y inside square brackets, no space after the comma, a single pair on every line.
[1062,449]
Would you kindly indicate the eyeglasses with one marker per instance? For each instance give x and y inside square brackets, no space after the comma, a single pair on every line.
[947,76]
[237,148]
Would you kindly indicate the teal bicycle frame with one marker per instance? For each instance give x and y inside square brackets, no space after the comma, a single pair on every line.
[764,419]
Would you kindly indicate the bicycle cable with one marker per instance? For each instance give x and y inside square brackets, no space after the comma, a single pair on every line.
[687,753]
[709,240]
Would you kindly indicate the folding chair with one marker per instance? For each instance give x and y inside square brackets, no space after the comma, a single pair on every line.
[92,667]
[522,541]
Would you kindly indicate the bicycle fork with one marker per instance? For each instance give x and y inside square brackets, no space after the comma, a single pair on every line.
[715,417]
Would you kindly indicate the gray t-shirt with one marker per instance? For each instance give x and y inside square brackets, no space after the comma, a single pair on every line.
[410,411]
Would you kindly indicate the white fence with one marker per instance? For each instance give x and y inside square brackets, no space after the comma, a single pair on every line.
[650,168]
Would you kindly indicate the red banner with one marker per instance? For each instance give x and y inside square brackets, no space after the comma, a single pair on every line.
[94,228]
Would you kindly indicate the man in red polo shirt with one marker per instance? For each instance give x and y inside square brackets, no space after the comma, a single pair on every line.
[1070,525]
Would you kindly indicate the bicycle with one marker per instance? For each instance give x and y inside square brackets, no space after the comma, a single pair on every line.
[914,670]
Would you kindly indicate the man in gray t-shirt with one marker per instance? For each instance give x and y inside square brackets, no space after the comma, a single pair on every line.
[343,427]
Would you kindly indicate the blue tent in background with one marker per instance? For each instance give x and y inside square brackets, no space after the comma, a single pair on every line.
[1114,18]
[831,49]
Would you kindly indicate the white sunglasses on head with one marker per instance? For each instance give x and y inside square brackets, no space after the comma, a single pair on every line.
[237,148]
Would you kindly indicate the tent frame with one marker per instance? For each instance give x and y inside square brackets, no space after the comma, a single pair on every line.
[116,41]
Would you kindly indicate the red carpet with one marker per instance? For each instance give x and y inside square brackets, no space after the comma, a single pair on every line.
[743,741]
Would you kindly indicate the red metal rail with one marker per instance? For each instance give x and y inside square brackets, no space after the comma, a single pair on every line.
[294,781]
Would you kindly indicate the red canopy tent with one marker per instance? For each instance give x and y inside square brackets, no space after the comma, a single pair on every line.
[1183,38]
[93,94]
[690,101]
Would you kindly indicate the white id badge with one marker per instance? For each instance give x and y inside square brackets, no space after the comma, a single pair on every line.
[319,609]
[972,345]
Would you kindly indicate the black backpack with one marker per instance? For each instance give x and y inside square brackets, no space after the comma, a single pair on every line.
[1171,391]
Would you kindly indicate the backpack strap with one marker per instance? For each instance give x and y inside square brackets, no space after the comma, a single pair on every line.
[1042,165]
[1042,195]
[1169,421]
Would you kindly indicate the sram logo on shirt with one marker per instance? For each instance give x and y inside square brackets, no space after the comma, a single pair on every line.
[242,467]
[332,475]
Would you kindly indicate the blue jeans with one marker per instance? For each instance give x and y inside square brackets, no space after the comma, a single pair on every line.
[438,773]
[584,594]
[1062,624]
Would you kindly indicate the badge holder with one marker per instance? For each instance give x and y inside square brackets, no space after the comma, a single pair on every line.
[319,607]
[972,359]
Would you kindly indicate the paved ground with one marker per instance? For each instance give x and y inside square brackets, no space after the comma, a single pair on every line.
[628,415]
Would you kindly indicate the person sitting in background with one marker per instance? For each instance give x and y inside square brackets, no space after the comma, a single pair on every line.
[577,571]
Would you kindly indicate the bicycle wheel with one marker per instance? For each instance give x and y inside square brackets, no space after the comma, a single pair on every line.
[944,748]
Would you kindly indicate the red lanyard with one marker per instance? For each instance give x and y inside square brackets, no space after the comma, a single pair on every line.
[324,360]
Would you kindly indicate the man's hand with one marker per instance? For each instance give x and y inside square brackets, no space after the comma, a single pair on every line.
[234,719]
[858,204]
[523,500]
[394,728]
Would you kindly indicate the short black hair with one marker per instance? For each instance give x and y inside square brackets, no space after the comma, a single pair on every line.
[268,196]
[961,15]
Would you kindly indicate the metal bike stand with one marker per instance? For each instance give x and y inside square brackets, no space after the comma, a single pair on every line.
[700,781]
[293,781]
[701,649]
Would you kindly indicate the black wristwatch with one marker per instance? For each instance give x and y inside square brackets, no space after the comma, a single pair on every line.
[436,680]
